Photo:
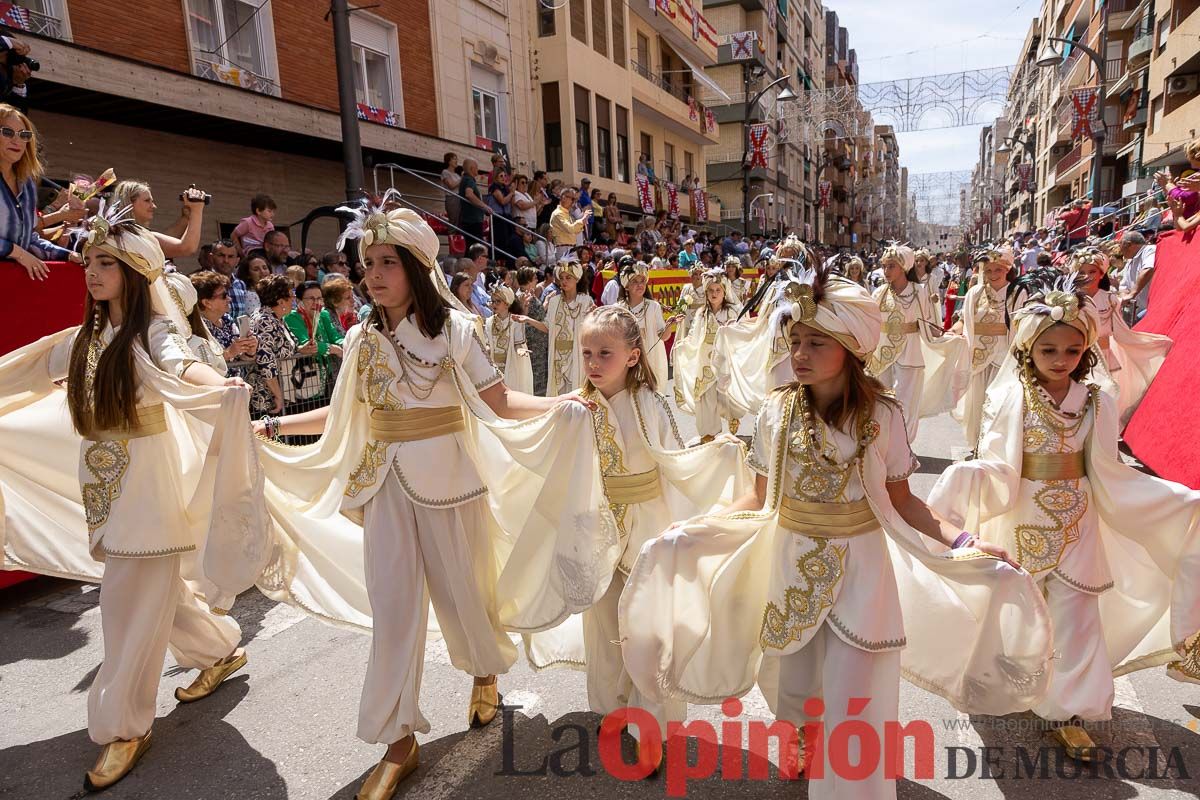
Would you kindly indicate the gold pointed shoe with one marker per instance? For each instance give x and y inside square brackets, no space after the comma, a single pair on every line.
[382,782]
[1177,671]
[485,703]
[115,762]
[1075,741]
[209,679]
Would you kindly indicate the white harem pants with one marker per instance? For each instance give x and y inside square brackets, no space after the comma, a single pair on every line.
[146,607]
[1082,682]
[836,672]
[414,554]
[908,383]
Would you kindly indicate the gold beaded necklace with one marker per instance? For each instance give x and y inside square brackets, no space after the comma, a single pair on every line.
[822,476]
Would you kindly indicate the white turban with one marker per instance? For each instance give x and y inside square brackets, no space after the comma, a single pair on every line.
[1058,306]
[847,312]
[569,270]
[901,252]
[504,294]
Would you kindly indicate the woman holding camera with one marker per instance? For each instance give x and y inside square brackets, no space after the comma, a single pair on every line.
[183,238]
[21,169]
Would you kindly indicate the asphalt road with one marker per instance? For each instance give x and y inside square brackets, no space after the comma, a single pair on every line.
[284,726]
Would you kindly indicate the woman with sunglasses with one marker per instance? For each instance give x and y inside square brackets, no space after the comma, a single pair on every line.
[21,169]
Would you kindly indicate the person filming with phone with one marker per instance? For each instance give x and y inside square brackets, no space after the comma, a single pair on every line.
[213,303]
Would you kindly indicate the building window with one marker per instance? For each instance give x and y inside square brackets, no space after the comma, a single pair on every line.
[599,28]
[579,20]
[669,162]
[489,106]
[622,145]
[233,42]
[545,20]
[487,114]
[689,166]
[616,12]
[374,48]
[583,129]
[647,145]
[552,133]
[643,53]
[603,138]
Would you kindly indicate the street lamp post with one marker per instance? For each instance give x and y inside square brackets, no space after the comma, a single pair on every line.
[784,96]
[352,160]
[1051,58]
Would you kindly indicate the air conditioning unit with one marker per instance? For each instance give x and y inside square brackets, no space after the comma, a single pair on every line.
[1183,84]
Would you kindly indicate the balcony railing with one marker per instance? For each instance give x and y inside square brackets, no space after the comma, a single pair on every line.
[1114,69]
[33,21]
[235,76]
[679,92]
[1069,160]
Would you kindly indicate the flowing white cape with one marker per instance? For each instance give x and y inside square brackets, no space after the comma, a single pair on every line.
[42,523]
[691,613]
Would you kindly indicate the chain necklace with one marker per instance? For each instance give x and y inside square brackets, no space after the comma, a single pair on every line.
[822,476]
[1064,423]
[905,303]
[420,376]
[500,335]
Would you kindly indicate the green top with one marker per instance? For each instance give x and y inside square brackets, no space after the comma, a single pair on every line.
[325,331]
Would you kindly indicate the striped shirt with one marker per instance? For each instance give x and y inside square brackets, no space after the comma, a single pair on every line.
[18,224]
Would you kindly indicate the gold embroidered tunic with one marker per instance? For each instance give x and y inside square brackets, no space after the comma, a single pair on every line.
[1055,528]
[410,371]
[134,508]
[565,371]
[848,582]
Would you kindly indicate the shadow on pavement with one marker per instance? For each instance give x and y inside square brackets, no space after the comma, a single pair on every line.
[195,753]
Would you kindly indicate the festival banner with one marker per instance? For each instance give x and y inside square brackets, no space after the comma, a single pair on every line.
[758,145]
[823,189]
[693,112]
[644,196]
[673,201]
[1084,113]
[699,205]
[710,121]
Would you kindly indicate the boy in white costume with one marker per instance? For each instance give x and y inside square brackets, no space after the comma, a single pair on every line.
[696,387]
[822,581]
[504,334]
[1114,551]
[913,359]
[649,480]
[402,449]
[691,296]
[1131,358]
[178,543]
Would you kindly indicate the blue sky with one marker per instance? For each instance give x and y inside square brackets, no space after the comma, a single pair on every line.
[947,36]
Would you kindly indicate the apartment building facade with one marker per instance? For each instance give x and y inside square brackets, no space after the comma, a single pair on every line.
[613,81]
[241,97]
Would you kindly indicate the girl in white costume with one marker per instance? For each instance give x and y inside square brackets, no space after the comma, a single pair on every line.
[634,281]
[1131,357]
[504,334]
[400,446]
[741,286]
[564,312]
[913,359]
[696,387]
[1114,551]
[929,275]
[753,353]
[822,582]
[984,322]
[169,495]
[649,480]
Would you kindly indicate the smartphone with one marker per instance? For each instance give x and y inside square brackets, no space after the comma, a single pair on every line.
[243,323]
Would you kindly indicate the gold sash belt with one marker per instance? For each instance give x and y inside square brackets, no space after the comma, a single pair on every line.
[1053,466]
[151,420]
[627,490]
[904,327]
[827,520]
[991,330]
[415,424]
[500,357]
[564,345]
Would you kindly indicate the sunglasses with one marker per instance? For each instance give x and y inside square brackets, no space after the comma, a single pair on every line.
[221,296]
[8,133]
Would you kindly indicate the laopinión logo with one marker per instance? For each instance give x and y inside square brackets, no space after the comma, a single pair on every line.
[695,751]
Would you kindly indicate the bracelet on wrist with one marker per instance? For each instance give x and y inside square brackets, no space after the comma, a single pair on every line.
[962,540]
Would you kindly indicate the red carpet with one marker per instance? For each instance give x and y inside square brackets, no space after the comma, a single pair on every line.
[33,309]
[1163,433]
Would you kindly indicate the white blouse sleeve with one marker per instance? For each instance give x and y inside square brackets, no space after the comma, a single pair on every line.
[898,457]
[479,366]
[168,348]
[765,429]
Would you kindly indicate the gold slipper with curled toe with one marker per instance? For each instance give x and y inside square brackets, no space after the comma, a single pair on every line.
[381,784]
[209,679]
[485,703]
[115,762]
[1075,741]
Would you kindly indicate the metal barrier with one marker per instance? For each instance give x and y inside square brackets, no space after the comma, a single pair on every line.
[307,384]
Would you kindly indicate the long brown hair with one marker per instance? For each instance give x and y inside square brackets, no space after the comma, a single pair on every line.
[431,308]
[30,166]
[109,401]
[860,395]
